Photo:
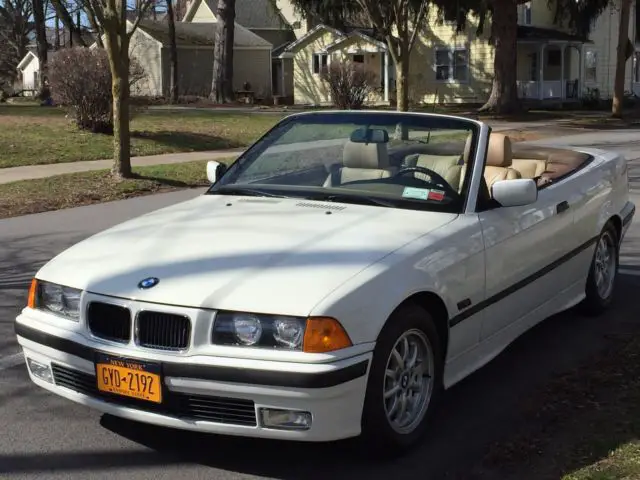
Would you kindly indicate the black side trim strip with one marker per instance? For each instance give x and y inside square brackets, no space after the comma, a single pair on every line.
[629,216]
[521,284]
[202,372]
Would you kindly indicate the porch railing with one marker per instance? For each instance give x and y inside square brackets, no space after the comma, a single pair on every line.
[551,89]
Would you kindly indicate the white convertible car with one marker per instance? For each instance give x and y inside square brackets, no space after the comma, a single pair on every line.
[332,282]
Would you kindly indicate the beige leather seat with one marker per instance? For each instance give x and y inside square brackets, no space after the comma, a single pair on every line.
[448,166]
[362,161]
[529,168]
[498,164]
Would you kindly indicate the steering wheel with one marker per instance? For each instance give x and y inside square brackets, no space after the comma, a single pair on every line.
[439,180]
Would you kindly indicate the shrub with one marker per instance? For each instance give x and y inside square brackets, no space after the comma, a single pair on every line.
[349,83]
[80,79]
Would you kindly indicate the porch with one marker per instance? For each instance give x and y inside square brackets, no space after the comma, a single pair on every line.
[548,68]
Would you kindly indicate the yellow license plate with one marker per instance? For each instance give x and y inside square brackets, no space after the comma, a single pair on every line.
[129,378]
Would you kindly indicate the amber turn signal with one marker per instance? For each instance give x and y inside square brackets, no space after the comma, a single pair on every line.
[33,289]
[324,334]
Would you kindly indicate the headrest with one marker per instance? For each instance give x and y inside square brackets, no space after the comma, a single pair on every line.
[499,151]
[466,154]
[365,155]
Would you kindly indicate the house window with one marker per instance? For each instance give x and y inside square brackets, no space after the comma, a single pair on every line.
[35,80]
[636,67]
[358,58]
[452,64]
[590,66]
[320,61]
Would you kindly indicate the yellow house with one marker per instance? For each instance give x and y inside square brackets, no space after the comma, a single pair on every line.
[457,67]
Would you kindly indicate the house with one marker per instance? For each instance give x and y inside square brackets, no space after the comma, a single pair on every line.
[265,19]
[29,66]
[457,67]
[149,46]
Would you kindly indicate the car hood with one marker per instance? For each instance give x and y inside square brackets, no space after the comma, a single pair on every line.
[239,253]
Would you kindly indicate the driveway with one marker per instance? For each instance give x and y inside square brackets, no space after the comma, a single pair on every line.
[44,436]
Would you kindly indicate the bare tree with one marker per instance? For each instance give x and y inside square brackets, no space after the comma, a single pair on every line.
[112,16]
[622,56]
[173,53]
[15,28]
[41,43]
[62,12]
[222,84]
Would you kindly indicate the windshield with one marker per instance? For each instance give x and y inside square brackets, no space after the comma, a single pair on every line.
[384,159]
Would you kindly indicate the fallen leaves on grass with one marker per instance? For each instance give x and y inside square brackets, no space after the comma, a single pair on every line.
[585,425]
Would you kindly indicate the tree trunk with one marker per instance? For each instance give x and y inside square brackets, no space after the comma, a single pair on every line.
[621,59]
[41,45]
[402,84]
[63,14]
[173,54]
[118,51]
[504,29]
[222,84]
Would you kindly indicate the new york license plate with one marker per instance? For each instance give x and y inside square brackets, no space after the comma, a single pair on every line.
[129,378]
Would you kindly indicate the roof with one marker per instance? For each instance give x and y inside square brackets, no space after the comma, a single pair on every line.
[193,34]
[26,60]
[539,34]
[367,34]
[254,14]
[358,33]
[291,48]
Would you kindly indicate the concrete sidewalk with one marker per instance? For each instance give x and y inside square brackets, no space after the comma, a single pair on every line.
[30,172]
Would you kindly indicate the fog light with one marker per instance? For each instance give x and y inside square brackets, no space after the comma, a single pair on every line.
[285,419]
[40,370]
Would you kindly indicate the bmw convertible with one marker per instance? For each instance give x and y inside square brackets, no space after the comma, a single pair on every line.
[332,281]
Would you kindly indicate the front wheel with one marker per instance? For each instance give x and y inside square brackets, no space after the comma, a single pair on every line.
[405,381]
[603,273]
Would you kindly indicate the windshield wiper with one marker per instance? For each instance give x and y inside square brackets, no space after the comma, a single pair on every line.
[246,192]
[362,200]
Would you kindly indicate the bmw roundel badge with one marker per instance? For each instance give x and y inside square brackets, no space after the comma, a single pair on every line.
[148,283]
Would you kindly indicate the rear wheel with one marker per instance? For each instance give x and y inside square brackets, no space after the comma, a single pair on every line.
[603,273]
[405,382]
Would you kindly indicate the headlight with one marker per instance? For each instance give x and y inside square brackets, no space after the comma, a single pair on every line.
[316,335]
[57,299]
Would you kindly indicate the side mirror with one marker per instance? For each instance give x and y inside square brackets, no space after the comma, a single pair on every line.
[215,170]
[515,193]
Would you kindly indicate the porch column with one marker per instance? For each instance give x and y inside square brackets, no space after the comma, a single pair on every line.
[386,76]
[563,50]
[541,73]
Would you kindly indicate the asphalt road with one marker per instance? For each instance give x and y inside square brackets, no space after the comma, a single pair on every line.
[43,436]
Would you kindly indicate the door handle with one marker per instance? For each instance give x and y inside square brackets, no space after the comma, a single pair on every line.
[562,207]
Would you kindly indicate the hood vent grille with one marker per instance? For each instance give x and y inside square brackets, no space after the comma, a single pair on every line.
[323,206]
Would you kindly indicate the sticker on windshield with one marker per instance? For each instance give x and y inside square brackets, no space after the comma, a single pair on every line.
[437,195]
[418,193]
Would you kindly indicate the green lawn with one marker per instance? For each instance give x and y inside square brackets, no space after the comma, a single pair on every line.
[75,189]
[40,135]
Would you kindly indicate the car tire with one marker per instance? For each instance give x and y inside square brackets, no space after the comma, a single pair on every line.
[382,432]
[600,287]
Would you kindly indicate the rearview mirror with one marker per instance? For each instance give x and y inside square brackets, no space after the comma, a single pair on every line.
[515,193]
[215,170]
[369,135]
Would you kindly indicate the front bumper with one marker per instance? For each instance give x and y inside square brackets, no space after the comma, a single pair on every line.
[206,394]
